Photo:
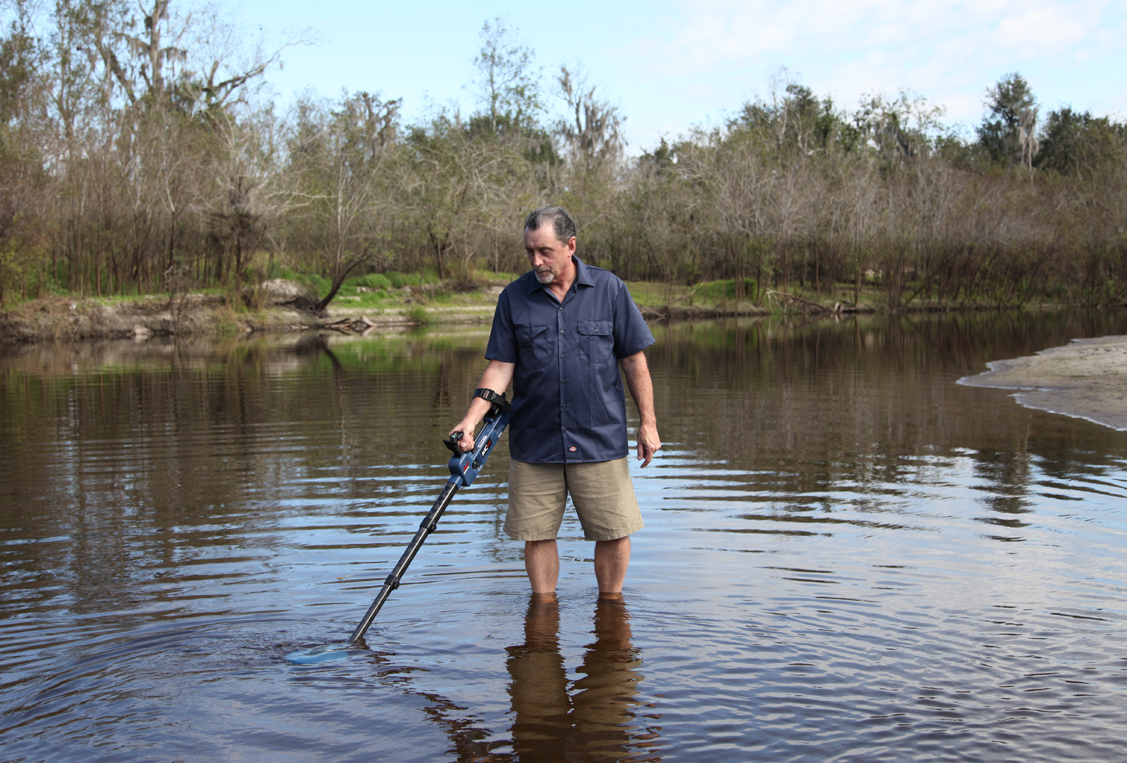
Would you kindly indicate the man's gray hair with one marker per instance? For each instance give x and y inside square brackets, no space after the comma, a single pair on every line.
[562,223]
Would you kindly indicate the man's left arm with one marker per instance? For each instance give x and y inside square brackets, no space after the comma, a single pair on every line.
[637,373]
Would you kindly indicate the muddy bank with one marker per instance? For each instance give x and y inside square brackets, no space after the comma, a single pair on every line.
[70,319]
[1086,379]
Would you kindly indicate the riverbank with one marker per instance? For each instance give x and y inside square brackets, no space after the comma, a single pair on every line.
[1085,379]
[76,319]
[271,308]
[73,319]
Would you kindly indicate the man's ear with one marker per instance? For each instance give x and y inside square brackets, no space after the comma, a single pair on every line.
[571,245]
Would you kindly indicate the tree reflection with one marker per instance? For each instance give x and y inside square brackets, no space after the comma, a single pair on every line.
[595,719]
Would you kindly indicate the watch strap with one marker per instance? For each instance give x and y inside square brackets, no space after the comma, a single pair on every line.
[492,397]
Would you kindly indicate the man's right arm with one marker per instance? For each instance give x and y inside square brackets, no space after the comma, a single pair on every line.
[497,376]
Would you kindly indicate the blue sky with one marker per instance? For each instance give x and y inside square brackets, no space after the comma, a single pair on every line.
[672,64]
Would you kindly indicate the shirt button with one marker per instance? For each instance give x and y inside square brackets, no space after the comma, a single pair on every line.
[561,331]
[565,429]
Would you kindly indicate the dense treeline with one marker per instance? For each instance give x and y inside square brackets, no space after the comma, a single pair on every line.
[138,154]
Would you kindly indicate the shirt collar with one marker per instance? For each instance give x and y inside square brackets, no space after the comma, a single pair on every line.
[582,277]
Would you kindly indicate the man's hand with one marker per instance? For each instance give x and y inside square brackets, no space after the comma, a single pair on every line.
[496,377]
[648,443]
[637,373]
[466,427]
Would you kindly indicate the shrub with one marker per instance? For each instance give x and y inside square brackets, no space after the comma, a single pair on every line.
[373,281]
[418,315]
[399,280]
[319,283]
[727,289]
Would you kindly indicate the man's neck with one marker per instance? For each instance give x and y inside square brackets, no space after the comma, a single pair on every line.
[562,284]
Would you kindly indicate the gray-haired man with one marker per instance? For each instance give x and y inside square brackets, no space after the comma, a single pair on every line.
[559,334]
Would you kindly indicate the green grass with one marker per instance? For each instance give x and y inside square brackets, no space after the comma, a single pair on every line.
[711,295]
[418,315]
[377,293]
[385,291]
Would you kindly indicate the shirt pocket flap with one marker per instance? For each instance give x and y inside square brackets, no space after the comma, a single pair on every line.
[596,328]
[526,334]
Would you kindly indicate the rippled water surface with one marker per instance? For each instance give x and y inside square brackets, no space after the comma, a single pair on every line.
[847,557]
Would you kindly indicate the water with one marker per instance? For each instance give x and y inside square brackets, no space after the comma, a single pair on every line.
[848,557]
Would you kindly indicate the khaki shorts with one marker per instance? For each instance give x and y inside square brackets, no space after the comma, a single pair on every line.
[602,493]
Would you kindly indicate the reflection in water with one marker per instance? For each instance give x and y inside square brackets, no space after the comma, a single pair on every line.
[596,721]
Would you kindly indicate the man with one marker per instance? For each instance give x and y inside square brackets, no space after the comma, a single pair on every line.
[559,333]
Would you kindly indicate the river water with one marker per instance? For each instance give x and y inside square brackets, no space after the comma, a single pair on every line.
[847,557]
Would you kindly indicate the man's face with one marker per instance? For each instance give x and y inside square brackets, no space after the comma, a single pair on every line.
[547,255]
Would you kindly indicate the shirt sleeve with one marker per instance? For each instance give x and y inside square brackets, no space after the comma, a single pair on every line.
[502,340]
[631,334]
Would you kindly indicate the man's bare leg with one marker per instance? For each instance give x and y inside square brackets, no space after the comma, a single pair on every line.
[542,562]
[612,557]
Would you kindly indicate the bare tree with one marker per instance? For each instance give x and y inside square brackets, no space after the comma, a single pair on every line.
[344,157]
[506,80]
[592,131]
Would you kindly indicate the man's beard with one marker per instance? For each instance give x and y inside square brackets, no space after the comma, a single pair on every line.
[545,276]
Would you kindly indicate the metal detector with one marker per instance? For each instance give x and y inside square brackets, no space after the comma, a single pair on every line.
[464,468]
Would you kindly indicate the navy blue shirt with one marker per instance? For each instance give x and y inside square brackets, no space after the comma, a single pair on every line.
[568,401]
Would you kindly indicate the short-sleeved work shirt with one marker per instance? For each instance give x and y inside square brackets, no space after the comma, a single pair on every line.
[568,401]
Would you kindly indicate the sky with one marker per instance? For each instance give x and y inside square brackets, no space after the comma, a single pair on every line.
[670,65]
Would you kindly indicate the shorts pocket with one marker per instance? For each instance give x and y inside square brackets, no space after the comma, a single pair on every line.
[532,346]
[596,341]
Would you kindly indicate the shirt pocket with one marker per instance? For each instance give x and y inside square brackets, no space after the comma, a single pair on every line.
[596,341]
[532,347]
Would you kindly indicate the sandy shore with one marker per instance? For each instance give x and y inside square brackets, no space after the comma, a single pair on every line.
[1086,379]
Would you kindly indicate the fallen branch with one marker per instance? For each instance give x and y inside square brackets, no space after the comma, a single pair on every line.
[784,298]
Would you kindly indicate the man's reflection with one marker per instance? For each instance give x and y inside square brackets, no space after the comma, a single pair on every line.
[595,720]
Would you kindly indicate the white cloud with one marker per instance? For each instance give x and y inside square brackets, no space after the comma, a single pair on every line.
[950,52]
[709,34]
